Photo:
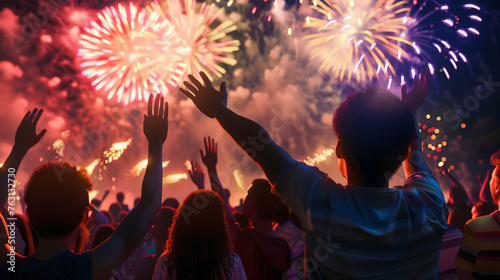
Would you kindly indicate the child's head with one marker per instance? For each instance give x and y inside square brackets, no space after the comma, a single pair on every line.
[57,198]
[374,129]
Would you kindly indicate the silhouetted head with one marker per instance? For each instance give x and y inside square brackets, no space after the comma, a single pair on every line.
[260,202]
[227,193]
[374,130]
[115,210]
[241,219]
[495,178]
[171,202]
[102,233]
[96,202]
[198,246]
[108,215]
[120,197]
[483,208]
[162,223]
[121,216]
[57,198]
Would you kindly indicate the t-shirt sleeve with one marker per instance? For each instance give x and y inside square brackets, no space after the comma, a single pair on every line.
[424,186]
[298,185]
[466,256]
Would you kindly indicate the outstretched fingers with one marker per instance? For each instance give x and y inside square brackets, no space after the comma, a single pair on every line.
[150,105]
[207,81]
[187,93]
[37,117]
[195,82]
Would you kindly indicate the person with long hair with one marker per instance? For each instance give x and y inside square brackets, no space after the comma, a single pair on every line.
[199,246]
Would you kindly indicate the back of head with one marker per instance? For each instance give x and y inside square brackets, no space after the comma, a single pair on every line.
[115,210]
[266,203]
[56,198]
[198,245]
[162,223]
[483,208]
[171,202]
[102,233]
[120,197]
[375,129]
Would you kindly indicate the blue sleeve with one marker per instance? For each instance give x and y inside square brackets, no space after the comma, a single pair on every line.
[298,185]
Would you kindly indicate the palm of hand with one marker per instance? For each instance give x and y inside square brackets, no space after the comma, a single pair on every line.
[156,122]
[206,98]
[210,156]
[26,132]
[416,97]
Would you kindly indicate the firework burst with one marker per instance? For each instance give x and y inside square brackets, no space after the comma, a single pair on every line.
[203,35]
[432,23]
[129,53]
[358,39]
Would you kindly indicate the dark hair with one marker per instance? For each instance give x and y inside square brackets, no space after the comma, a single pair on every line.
[266,203]
[495,159]
[108,215]
[115,210]
[198,246]
[241,219]
[171,202]
[102,233]
[375,129]
[56,197]
[484,208]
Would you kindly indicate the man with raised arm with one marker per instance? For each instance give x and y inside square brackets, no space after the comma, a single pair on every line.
[364,229]
[57,206]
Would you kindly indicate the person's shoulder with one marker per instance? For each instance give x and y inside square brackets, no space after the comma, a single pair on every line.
[483,223]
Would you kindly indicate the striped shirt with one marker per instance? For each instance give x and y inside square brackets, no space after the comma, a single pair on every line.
[480,250]
[366,232]
[449,249]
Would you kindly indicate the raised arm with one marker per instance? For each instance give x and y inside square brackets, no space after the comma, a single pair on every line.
[415,161]
[249,135]
[209,158]
[26,138]
[129,233]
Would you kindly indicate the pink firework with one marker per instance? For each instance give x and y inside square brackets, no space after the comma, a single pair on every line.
[129,53]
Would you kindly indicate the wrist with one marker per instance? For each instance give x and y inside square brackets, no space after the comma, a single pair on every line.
[20,149]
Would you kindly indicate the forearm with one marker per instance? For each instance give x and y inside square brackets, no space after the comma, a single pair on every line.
[453,181]
[217,187]
[135,225]
[415,161]
[255,141]
[10,166]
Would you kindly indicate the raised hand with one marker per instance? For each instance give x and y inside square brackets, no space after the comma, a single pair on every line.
[416,97]
[210,156]
[156,121]
[196,174]
[26,136]
[208,100]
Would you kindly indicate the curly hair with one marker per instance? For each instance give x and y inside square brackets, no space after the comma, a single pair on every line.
[198,246]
